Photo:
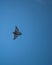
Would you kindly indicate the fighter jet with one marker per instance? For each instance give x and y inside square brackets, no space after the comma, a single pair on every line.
[16,33]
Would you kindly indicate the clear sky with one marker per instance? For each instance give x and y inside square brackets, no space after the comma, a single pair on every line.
[34,20]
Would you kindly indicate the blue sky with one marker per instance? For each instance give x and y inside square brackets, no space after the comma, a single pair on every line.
[34,20]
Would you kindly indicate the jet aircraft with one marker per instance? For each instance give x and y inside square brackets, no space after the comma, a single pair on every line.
[16,33]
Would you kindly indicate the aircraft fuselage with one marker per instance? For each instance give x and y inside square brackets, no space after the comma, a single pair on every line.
[17,33]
